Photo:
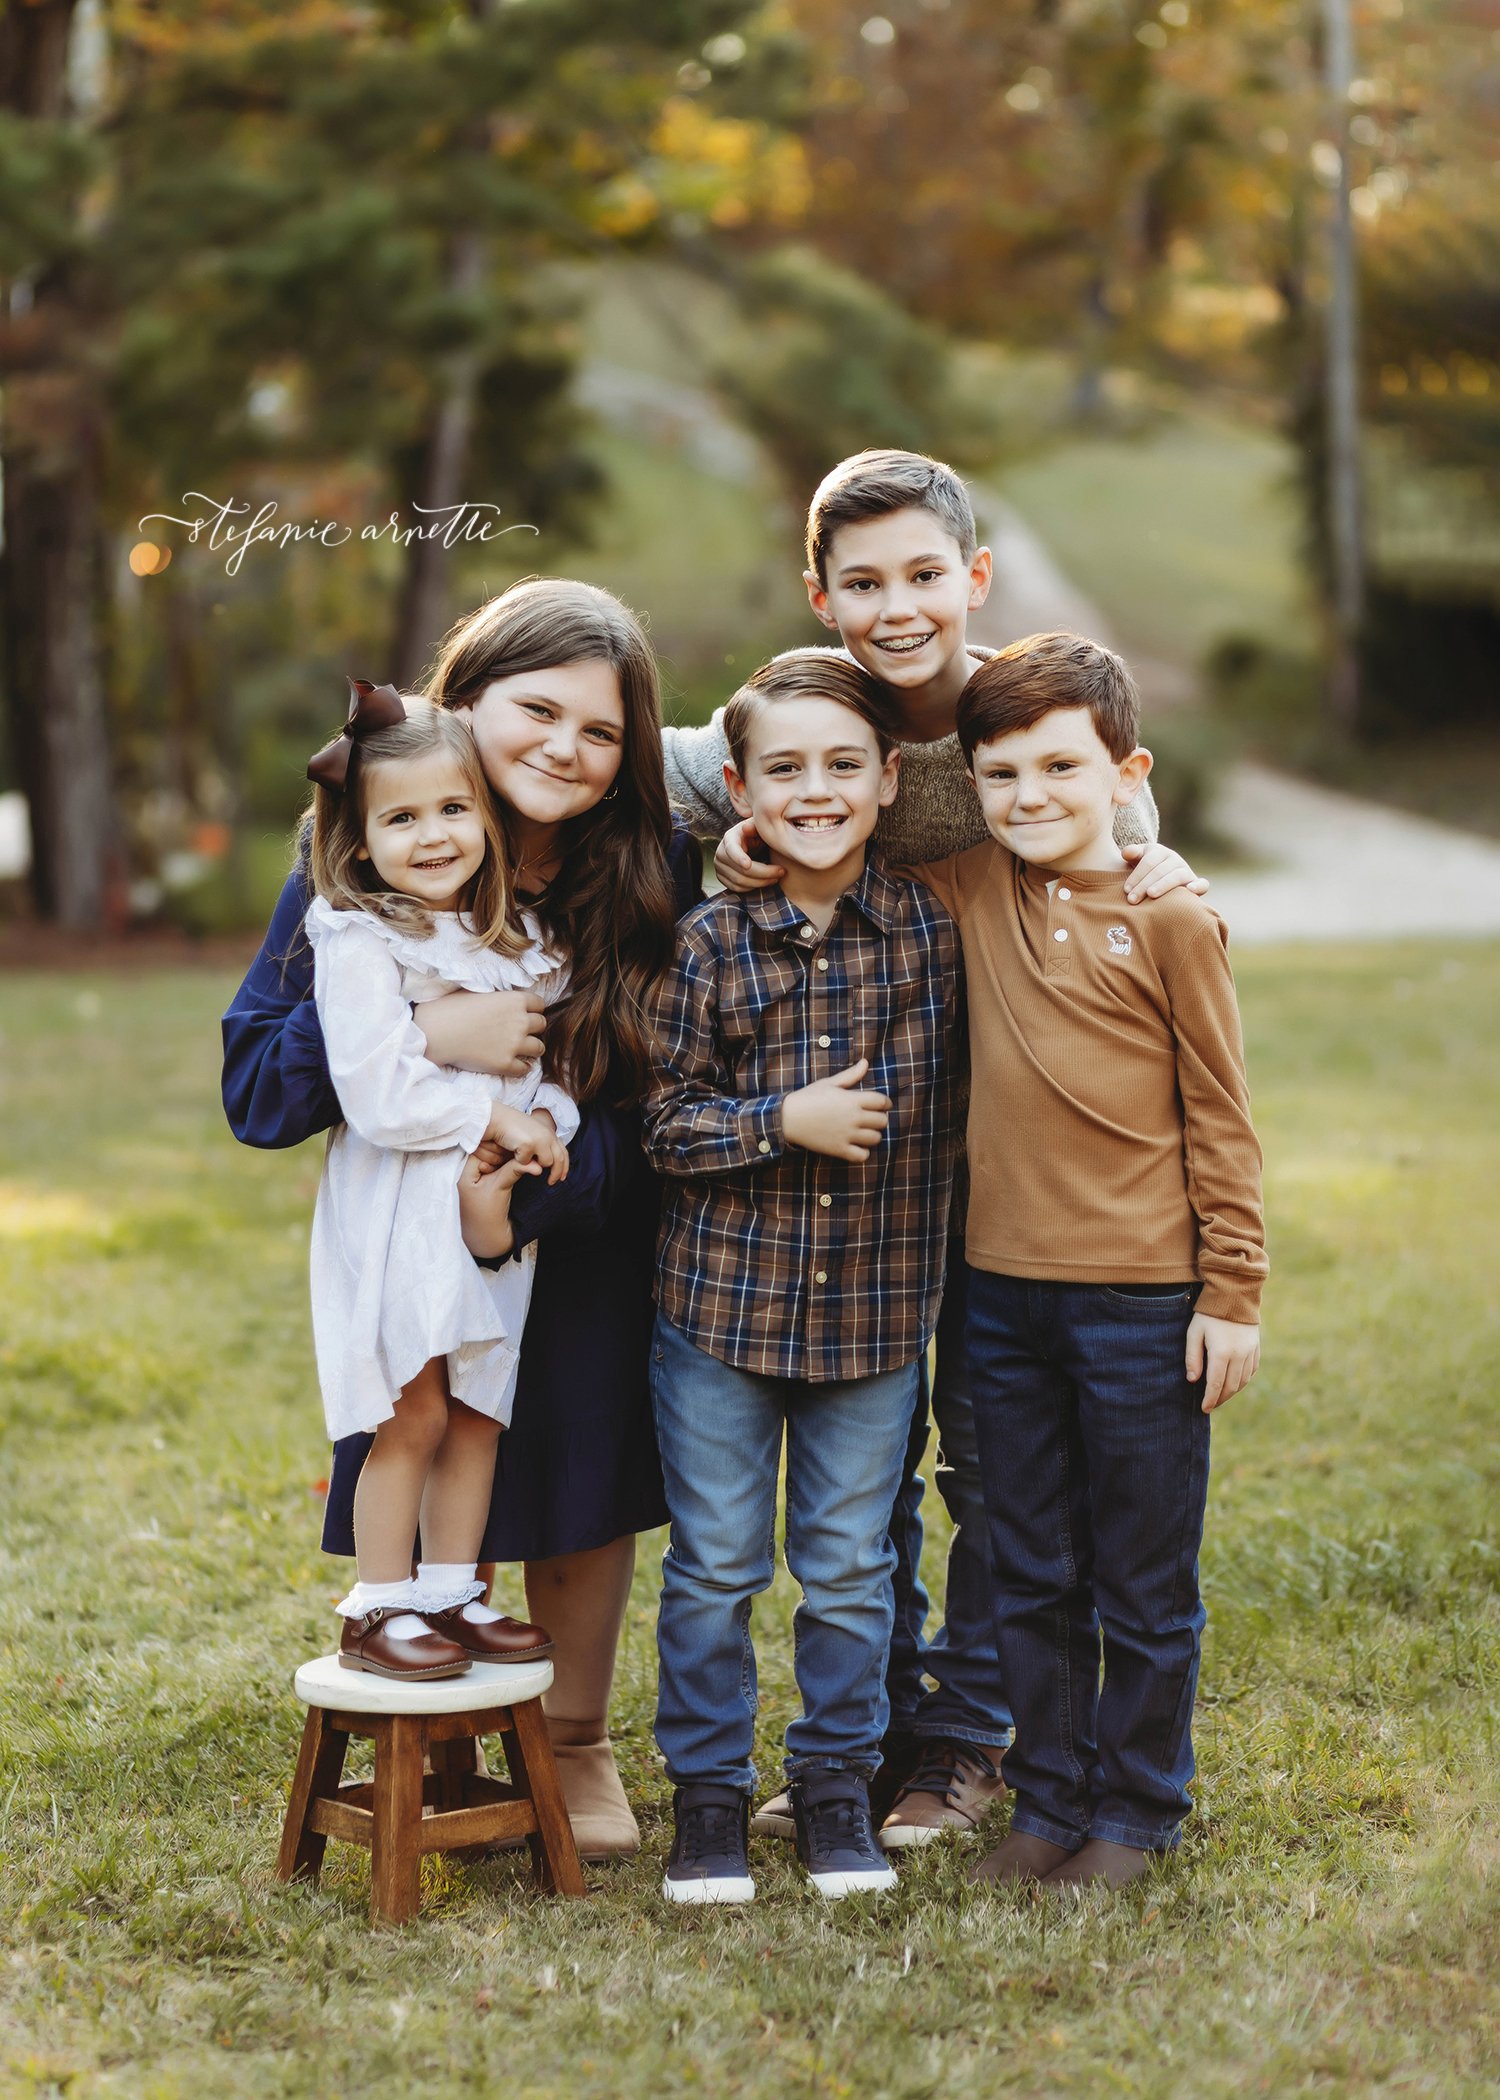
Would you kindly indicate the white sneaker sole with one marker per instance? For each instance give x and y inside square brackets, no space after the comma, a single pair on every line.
[902,1835]
[727,1889]
[859,1882]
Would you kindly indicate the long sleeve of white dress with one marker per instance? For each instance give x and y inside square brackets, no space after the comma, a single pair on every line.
[389,1089]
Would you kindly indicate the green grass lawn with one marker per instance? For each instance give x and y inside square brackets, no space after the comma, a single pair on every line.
[1182,534]
[1331,1925]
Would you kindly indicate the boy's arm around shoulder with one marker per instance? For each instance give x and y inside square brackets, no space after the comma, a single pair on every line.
[693,760]
[694,1121]
[1220,1149]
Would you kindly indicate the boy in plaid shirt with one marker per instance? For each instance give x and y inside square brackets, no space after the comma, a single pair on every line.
[804,1114]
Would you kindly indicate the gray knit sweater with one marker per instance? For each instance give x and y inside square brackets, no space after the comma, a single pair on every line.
[936,811]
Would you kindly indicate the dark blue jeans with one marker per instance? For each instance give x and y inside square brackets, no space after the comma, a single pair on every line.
[966,1698]
[1093,1448]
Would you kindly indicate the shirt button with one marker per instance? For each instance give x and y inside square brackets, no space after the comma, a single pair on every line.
[824,1041]
[1061,934]
[825,1201]
[809,933]
[765,1144]
[822,962]
[1065,895]
[820,1276]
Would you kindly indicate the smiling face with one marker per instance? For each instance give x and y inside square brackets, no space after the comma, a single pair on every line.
[1049,793]
[814,784]
[423,828]
[551,742]
[900,592]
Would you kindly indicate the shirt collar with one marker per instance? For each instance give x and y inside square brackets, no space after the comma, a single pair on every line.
[874,894]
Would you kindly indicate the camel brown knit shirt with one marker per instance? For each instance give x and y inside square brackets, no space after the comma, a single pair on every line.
[1109,1121]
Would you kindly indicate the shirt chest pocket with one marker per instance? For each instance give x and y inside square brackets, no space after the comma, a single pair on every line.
[897,1026]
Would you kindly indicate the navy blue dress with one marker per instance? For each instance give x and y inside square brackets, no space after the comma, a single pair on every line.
[578,1465]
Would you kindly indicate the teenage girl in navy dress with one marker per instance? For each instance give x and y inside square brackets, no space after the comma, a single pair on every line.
[560,689]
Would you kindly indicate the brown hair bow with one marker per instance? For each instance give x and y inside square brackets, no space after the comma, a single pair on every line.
[371,707]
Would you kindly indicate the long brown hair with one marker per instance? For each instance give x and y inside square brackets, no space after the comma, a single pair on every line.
[335,827]
[611,906]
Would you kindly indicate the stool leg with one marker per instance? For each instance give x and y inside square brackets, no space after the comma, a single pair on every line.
[319,1764]
[554,1856]
[454,1761]
[395,1861]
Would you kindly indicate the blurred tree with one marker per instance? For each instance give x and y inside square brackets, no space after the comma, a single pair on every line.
[829,364]
[293,236]
[51,437]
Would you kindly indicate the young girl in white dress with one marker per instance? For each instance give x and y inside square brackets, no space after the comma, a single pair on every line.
[415,1341]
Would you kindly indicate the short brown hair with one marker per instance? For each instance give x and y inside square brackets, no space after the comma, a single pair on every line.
[808,674]
[1029,679]
[872,485]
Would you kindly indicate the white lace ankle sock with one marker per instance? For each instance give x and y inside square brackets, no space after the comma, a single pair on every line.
[373,1596]
[443,1583]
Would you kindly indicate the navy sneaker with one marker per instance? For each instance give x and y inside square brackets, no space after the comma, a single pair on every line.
[710,1860]
[835,1838]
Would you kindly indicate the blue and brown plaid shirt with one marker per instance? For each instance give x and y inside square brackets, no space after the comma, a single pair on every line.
[782,1261]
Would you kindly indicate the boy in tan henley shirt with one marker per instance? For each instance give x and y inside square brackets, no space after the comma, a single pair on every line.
[1115,1253]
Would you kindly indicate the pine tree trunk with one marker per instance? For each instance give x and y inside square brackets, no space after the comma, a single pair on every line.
[54,686]
[49,567]
[422,612]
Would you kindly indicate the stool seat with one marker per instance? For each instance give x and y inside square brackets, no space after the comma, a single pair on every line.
[325,1682]
[429,1792]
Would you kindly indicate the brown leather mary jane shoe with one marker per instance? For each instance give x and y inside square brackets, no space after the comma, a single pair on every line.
[491,1640]
[365,1644]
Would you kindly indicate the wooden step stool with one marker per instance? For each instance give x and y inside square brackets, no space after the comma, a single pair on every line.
[405,1812]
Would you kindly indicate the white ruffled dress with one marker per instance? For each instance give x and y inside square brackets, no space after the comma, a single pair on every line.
[392,1281]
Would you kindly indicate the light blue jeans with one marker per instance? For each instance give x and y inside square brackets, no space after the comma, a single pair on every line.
[720,1432]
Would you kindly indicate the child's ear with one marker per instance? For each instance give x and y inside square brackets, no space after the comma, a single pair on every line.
[1133,775]
[890,777]
[981,576]
[817,598]
[736,787]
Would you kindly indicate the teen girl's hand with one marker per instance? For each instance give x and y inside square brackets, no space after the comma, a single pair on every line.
[1225,1354]
[530,1140]
[1158,869]
[734,866]
[484,1194]
[837,1116]
[498,1033]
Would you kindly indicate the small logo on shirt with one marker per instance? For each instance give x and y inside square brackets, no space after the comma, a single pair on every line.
[1119,940]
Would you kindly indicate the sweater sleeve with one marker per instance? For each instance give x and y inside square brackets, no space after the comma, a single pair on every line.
[1138,823]
[1220,1148]
[695,777]
[390,1092]
[275,1084]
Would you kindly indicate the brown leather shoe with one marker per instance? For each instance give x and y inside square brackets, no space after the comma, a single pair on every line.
[491,1640]
[365,1645]
[1101,1862]
[1020,1857]
[952,1785]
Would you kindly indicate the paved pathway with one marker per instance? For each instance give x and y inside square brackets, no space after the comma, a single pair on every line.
[1338,868]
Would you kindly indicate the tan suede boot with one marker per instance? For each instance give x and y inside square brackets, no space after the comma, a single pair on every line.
[603,1826]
